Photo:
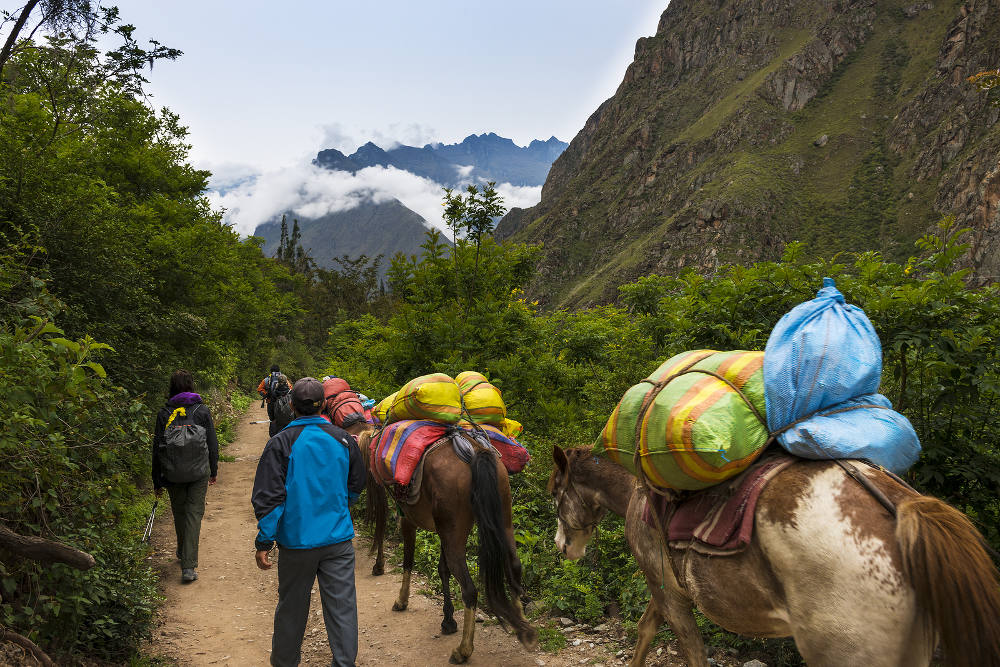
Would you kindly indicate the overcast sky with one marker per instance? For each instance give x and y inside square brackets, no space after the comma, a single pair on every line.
[263,86]
[267,84]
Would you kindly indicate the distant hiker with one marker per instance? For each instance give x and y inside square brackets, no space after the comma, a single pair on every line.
[274,390]
[186,462]
[307,476]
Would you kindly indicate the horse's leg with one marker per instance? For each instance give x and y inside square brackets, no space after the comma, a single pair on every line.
[648,624]
[448,625]
[409,531]
[453,551]
[681,619]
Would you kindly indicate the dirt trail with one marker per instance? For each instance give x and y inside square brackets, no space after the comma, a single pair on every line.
[225,618]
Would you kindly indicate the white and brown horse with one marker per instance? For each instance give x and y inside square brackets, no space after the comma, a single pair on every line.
[827,565]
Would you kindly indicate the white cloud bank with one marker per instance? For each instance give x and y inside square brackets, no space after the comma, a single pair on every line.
[250,199]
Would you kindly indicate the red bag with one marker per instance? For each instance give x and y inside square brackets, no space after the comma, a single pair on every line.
[342,406]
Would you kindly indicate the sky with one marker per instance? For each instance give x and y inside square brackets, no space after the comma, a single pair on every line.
[263,86]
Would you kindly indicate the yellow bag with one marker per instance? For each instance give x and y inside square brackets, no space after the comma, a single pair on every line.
[381,411]
[511,428]
[482,400]
[432,397]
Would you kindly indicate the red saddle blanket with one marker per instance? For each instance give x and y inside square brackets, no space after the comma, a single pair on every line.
[397,449]
[717,520]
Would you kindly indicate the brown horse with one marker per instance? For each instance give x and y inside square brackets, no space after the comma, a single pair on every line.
[827,565]
[376,505]
[453,496]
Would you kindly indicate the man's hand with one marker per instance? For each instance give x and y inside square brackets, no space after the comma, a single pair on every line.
[263,562]
[211,480]
[158,492]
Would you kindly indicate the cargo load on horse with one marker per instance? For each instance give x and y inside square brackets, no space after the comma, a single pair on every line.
[695,422]
[822,369]
[704,416]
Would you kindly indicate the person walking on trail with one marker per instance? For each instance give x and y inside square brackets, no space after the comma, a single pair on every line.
[186,463]
[274,389]
[307,477]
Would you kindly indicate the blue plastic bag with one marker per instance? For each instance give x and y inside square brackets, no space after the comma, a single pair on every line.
[822,367]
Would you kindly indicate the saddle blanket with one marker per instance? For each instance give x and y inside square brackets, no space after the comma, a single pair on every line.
[719,520]
[398,448]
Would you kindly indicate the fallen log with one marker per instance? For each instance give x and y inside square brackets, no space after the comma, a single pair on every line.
[40,549]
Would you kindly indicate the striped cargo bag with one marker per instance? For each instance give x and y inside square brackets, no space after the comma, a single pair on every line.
[433,397]
[483,402]
[691,420]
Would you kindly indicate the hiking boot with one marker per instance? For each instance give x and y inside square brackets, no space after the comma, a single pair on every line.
[188,575]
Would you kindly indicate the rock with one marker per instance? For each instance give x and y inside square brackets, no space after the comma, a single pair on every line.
[754,663]
[565,622]
[821,141]
[539,662]
[603,627]
[577,642]
[712,663]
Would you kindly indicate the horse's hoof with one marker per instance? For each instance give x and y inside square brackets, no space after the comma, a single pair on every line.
[449,627]
[396,606]
[378,570]
[528,638]
[457,658]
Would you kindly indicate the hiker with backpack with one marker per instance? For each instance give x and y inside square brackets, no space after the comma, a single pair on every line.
[275,389]
[185,462]
[307,477]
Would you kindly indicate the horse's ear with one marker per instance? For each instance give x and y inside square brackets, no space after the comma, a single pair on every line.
[559,458]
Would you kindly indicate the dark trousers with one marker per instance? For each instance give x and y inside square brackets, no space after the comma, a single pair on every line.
[297,570]
[188,504]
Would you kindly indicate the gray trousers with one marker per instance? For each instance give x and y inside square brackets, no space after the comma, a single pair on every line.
[297,570]
[187,501]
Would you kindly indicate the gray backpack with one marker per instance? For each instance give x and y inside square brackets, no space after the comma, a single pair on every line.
[184,452]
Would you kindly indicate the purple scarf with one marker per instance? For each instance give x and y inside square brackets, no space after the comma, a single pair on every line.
[185,398]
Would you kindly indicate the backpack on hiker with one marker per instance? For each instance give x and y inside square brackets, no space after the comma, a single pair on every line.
[276,386]
[184,452]
[283,414]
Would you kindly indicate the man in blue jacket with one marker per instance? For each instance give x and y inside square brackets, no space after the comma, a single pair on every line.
[307,476]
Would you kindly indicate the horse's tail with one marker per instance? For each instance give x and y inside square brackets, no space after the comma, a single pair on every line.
[955,580]
[377,506]
[499,569]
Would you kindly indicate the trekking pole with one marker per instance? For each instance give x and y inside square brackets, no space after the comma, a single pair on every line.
[148,533]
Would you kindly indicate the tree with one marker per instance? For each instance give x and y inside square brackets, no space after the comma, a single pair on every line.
[78,24]
[474,216]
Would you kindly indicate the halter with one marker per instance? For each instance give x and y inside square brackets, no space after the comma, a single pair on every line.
[560,494]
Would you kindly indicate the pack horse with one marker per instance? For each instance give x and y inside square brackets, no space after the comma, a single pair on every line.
[455,495]
[827,564]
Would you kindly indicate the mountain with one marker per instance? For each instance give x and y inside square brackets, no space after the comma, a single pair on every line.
[491,158]
[743,125]
[367,229]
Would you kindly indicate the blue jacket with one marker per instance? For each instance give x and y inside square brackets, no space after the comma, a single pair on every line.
[308,475]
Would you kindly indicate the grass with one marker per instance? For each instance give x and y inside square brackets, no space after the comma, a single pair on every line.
[551,640]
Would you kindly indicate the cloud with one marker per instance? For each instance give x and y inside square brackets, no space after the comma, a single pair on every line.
[250,199]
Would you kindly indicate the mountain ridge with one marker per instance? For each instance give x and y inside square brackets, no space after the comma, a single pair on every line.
[740,127]
[490,156]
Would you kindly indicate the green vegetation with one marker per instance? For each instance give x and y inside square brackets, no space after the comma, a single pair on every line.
[114,271]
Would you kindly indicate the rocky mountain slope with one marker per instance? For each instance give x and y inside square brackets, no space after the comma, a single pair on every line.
[368,229]
[743,125]
[486,156]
